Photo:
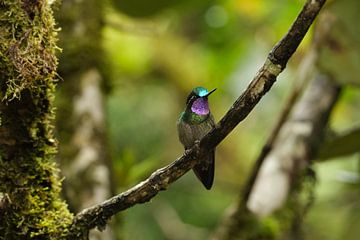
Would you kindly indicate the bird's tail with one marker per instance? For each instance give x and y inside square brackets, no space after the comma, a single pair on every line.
[204,170]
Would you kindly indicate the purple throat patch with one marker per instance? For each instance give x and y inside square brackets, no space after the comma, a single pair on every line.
[200,106]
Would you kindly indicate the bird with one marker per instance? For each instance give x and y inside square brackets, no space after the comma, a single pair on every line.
[194,123]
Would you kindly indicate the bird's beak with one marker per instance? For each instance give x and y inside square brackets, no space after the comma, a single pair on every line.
[210,92]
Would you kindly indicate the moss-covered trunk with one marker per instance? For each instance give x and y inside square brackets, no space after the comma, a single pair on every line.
[30,206]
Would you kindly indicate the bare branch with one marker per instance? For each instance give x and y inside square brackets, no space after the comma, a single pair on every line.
[232,226]
[276,61]
[266,76]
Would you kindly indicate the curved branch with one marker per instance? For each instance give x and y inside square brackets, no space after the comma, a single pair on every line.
[276,61]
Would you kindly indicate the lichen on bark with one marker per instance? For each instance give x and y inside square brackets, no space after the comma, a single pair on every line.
[30,203]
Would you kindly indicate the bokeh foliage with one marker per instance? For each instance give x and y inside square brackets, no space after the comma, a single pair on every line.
[156,53]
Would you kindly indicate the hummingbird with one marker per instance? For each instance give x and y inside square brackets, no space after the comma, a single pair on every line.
[194,123]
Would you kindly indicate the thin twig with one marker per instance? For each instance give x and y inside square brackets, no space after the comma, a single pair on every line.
[276,61]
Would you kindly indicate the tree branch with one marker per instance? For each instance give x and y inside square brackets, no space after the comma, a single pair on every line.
[233,226]
[276,61]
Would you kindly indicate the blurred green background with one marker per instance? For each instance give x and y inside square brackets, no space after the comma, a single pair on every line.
[155,53]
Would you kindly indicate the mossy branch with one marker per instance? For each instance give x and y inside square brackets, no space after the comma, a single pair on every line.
[276,61]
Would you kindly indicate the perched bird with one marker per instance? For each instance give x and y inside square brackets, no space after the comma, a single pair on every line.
[194,123]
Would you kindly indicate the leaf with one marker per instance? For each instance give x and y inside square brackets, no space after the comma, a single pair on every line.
[344,144]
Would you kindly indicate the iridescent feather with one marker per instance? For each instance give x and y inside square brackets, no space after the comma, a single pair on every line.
[194,123]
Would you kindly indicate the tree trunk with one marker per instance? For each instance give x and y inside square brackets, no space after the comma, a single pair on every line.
[30,205]
[84,156]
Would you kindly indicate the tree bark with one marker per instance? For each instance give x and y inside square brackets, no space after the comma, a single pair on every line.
[30,203]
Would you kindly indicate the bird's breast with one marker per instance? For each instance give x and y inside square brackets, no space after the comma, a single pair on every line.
[189,133]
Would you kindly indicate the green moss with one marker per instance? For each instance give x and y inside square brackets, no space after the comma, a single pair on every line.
[30,207]
[27,45]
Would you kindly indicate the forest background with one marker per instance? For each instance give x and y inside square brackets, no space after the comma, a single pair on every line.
[125,70]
